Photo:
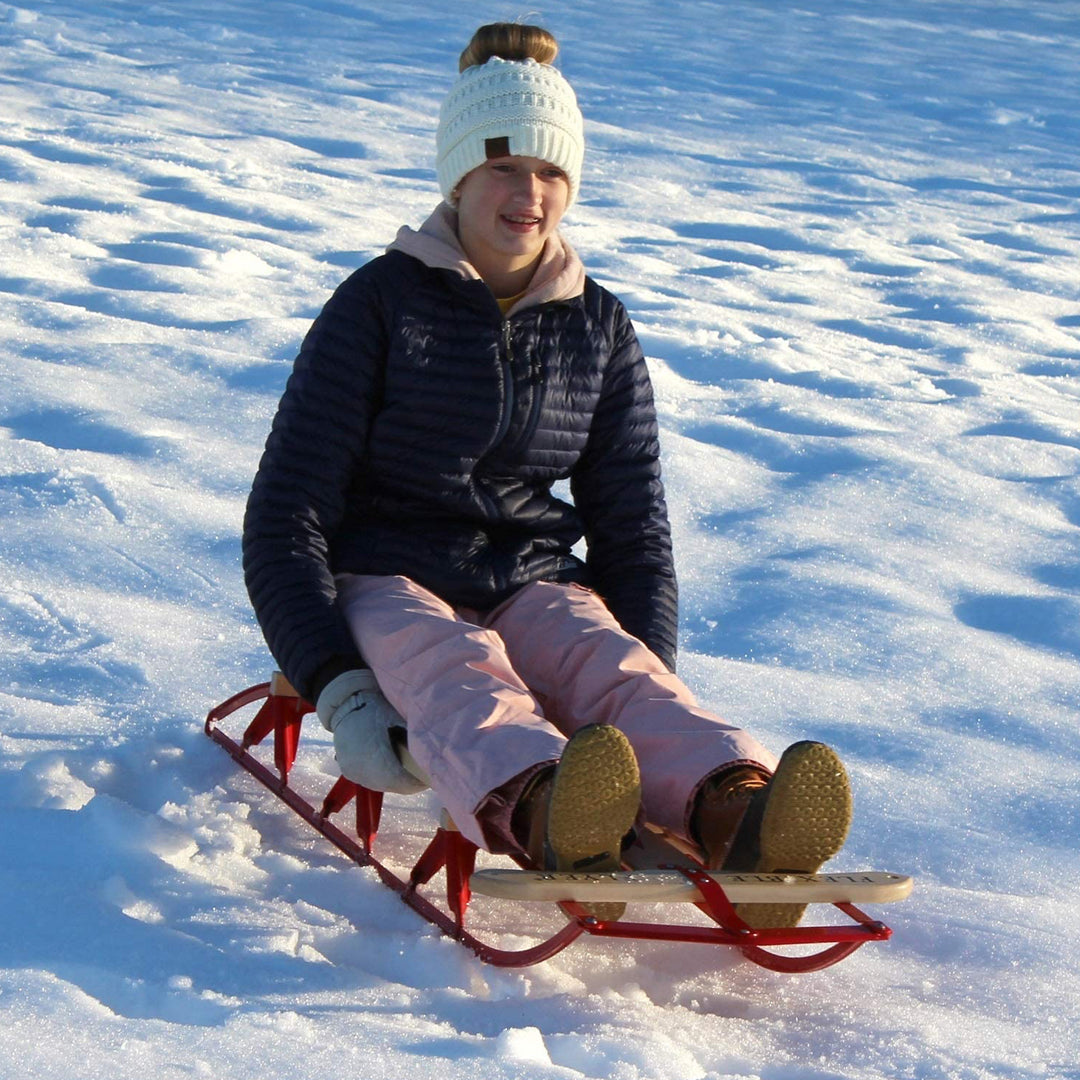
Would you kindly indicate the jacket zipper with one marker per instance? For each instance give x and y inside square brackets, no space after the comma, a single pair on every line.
[510,393]
[508,385]
[533,418]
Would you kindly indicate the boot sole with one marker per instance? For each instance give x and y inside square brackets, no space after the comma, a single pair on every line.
[805,822]
[595,797]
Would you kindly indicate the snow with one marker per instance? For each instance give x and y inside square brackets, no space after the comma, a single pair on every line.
[848,233]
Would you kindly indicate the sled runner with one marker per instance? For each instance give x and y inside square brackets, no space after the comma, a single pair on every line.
[660,870]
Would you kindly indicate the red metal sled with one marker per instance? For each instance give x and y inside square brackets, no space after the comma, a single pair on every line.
[281,714]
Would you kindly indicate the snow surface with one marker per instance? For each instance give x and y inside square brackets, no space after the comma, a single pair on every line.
[848,232]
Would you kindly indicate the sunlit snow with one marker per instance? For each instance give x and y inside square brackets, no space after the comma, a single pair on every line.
[848,232]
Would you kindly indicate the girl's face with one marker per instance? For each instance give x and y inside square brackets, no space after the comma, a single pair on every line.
[507,208]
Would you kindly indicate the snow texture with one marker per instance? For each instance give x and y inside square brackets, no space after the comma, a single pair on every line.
[848,232]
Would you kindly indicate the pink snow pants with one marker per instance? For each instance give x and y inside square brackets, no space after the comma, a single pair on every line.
[487,698]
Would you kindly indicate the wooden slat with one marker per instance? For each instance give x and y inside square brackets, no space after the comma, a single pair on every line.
[669,886]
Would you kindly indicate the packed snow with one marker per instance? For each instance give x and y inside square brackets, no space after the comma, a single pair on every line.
[848,232]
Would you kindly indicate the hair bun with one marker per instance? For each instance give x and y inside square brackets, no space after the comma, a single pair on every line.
[509,41]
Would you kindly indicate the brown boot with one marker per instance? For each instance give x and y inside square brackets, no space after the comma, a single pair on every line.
[721,806]
[794,823]
[529,822]
[574,818]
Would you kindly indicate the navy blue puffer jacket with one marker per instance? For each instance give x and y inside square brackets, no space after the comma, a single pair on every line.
[421,433]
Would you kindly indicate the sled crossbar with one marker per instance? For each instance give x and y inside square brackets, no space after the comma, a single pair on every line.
[281,715]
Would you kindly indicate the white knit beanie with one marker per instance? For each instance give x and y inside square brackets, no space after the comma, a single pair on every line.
[503,107]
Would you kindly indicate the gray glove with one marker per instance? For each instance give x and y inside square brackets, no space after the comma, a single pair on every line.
[353,708]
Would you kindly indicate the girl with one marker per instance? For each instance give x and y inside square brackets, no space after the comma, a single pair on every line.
[402,528]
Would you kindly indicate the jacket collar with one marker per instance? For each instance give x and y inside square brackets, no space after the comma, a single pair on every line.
[559,276]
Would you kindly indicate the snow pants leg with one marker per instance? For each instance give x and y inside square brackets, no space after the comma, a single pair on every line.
[488,697]
[584,668]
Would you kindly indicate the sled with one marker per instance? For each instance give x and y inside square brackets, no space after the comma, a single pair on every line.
[659,868]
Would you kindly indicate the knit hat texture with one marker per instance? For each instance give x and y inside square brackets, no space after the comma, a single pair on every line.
[527,108]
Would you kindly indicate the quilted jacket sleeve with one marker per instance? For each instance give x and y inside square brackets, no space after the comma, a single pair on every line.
[315,447]
[618,491]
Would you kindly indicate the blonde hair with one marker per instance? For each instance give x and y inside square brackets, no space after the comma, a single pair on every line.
[509,41]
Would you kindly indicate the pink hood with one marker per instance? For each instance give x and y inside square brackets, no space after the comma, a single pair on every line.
[560,275]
